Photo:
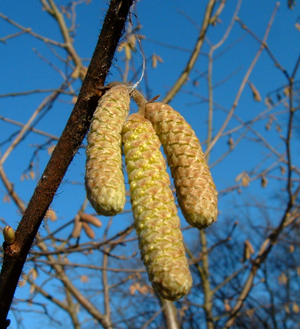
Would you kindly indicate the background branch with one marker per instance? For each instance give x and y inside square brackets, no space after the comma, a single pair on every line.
[192,60]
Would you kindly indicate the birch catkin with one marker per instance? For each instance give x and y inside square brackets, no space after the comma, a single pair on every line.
[154,210]
[104,176]
[195,189]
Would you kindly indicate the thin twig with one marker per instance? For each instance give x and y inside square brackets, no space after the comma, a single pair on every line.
[46,102]
[28,30]
[155,315]
[35,91]
[239,93]
[192,60]
[264,43]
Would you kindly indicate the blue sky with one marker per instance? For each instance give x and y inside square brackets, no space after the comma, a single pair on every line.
[170,23]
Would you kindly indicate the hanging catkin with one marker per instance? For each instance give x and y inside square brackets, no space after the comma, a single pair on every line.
[155,214]
[104,176]
[195,189]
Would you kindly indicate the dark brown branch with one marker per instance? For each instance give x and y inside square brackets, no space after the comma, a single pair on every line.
[68,144]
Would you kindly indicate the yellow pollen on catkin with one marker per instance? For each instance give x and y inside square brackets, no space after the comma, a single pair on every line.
[154,210]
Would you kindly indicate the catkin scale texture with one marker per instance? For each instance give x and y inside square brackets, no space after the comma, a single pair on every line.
[104,178]
[154,210]
[195,189]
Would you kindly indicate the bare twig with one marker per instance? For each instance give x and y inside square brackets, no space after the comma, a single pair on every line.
[155,315]
[264,43]
[264,251]
[57,15]
[46,102]
[35,91]
[170,314]
[28,30]
[71,309]
[209,78]
[239,93]
[181,80]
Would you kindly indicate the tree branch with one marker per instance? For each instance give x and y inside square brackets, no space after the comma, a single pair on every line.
[181,80]
[239,93]
[170,313]
[68,144]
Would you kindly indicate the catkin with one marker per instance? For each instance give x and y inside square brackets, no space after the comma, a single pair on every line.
[154,210]
[195,189]
[104,179]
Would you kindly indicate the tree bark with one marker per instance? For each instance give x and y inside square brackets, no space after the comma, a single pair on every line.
[67,146]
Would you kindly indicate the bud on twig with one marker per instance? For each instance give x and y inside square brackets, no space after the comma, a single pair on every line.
[9,235]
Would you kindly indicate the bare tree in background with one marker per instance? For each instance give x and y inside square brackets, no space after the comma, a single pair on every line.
[85,271]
